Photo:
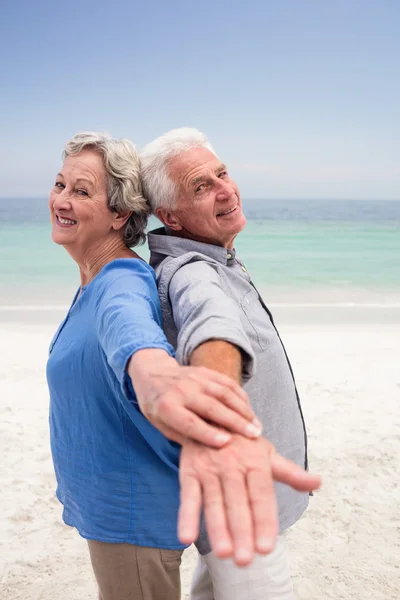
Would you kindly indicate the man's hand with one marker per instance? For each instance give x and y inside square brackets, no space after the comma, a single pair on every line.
[235,485]
[190,402]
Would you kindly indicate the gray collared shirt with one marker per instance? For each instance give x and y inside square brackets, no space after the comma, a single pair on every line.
[206,293]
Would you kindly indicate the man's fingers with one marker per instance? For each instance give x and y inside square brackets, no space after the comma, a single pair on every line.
[239,515]
[264,510]
[288,472]
[190,509]
[215,515]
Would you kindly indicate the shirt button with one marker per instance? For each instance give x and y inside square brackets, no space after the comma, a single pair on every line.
[243,269]
[229,256]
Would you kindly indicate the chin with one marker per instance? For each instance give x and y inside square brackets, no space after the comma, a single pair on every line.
[58,239]
[240,225]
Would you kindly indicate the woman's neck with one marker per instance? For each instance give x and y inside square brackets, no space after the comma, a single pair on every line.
[94,259]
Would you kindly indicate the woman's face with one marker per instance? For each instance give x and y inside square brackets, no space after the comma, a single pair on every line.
[79,213]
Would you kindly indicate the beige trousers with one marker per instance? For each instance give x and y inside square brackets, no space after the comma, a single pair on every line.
[128,572]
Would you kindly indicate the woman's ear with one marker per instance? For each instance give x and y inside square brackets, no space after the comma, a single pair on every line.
[120,219]
[169,219]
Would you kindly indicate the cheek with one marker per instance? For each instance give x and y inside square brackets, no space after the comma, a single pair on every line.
[50,202]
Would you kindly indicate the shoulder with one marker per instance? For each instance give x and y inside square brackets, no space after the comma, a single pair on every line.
[127,267]
[203,271]
[190,264]
[125,272]
[190,270]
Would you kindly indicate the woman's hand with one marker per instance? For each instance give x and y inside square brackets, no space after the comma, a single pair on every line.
[190,402]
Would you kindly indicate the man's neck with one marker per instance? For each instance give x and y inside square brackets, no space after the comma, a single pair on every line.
[183,233]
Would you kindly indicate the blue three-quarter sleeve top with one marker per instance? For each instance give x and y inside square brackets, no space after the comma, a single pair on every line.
[117,475]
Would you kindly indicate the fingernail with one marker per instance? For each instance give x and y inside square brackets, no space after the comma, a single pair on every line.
[257,423]
[186,536]
[265,544]
[223,550]
[252,430]
[243,556]
[222,437]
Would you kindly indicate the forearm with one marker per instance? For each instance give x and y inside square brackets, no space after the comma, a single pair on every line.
[220,356]
[189,402]
[150,371]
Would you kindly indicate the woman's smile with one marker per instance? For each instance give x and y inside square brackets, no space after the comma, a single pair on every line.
[63,222]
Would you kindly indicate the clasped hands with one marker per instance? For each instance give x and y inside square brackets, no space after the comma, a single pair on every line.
[226,466]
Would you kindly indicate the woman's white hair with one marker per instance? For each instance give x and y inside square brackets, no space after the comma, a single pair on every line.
[159,189]
[122,165]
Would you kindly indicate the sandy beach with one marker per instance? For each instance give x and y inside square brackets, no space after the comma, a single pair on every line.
[345,547]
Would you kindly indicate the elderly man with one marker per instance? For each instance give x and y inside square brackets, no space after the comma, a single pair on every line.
[214,316]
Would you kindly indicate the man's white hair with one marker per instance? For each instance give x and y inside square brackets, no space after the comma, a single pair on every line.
[158,187]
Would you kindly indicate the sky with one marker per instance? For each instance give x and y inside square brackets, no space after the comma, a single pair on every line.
[300,98]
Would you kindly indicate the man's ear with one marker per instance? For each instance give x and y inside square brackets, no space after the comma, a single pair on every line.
[120,218]
[169,219]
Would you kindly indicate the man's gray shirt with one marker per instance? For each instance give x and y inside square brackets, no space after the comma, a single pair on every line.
[206,293]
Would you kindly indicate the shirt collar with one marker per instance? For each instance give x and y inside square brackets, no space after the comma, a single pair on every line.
[162,242]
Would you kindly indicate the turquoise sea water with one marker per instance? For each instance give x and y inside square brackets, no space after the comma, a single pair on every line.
[297,251]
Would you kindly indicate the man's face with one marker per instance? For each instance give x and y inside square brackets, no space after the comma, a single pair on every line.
[209,208]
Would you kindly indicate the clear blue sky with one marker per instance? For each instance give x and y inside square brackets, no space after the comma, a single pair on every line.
[300,98]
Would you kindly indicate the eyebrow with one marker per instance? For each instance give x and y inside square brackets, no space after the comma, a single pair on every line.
[84,180]
[196,180]
[79,180]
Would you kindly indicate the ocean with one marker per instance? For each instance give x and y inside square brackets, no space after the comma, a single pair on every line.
[299,253]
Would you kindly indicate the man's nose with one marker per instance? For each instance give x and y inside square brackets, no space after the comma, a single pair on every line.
[225,190]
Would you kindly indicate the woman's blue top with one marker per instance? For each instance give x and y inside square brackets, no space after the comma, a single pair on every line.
[117,475]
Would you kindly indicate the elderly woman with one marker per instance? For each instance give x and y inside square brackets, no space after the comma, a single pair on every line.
[115,387]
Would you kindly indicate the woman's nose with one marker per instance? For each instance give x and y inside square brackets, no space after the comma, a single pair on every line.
[62,200]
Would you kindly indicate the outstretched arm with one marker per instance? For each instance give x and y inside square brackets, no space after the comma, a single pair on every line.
[182,402]
[190,402]
[234,483]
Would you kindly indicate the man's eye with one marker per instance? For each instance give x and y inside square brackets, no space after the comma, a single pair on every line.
[223,174]
[200,187]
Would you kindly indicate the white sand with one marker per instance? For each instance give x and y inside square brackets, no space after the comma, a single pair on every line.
[347,544]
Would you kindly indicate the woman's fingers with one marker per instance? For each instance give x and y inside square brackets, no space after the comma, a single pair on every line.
[183,425]
[202,420]
[218,414]
[197,412]
[208,395]
[208,375]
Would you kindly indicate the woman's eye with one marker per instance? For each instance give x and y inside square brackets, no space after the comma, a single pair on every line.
[59,185]
[82,192]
